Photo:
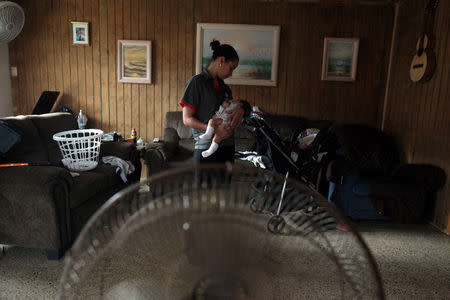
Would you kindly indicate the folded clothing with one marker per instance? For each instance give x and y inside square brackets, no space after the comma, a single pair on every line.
[124,167]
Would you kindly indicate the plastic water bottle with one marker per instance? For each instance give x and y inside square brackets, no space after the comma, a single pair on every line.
[82,120]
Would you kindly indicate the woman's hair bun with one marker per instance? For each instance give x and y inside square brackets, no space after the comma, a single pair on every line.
[215,44]
[224,50]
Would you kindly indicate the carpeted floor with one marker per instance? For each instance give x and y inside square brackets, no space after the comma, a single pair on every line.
[414,262]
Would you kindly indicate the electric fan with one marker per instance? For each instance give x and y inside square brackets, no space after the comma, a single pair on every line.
[12,19]
[218,232]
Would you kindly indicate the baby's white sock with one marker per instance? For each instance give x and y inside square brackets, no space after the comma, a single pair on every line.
[208,133]
[211,149]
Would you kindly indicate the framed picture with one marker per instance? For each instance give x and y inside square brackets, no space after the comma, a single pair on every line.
[80,33]
[340,56]
[256,45]
[134,61]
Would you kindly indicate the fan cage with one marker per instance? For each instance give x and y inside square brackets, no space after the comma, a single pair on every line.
[12,20]
[226,192]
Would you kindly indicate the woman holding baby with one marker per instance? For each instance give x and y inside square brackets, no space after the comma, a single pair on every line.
[202,98]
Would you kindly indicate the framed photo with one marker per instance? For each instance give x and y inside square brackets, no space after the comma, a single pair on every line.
[134,61]
[340,56]
[256,45]
[80,33]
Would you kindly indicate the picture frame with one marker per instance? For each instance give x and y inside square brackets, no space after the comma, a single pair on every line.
[134,61]
[340,58]
[80,33]
[256,45]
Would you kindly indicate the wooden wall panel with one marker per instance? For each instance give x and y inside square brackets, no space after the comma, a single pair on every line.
[157,69]
[165,56]
[142,111]
[112,62]
[95,114]
[87,74]
[417,113]
[89,105]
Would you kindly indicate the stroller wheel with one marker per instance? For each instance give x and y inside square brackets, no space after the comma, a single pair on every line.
[276,224]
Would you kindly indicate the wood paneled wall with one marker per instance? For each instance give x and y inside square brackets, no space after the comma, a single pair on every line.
[418,113]
[47,60]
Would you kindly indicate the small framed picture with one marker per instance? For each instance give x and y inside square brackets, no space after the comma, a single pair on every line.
[340,56]
[80,33]
[134,61]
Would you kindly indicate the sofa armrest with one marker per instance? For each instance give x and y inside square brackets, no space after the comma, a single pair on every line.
[171,141]
[34,205]
[156,155]
[431,177]
[155,158]
[39,176]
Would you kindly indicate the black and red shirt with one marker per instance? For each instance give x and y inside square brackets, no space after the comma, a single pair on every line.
[204,94]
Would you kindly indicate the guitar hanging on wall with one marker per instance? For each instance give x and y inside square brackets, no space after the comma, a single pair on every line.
[424,61]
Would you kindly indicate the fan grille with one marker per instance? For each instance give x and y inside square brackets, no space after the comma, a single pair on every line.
[195,235]
[12,19]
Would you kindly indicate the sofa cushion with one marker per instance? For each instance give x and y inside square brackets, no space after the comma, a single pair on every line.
[241,132]
[174,119]
[90,183]
[8,137]
[48,125]
[285,125]
[242,145]
[244,139]
[30,148]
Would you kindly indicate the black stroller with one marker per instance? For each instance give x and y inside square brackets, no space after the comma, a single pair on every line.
[276,154]
[282,156]
[273,149]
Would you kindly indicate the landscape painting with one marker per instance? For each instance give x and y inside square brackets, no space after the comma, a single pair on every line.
[340,57]
[134,61]
[256,45]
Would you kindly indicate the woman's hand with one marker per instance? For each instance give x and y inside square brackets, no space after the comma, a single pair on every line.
[237,115]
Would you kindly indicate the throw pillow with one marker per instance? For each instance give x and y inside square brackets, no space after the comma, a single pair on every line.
[8,137]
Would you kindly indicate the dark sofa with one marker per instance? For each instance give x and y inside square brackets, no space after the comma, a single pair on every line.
[374,187]
[44,206]
[177,144]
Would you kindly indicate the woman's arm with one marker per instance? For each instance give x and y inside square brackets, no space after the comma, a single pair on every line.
[190,121]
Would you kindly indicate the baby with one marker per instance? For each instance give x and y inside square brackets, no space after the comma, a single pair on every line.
[222,116]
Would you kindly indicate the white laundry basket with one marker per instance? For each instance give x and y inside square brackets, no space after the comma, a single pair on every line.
[80,148]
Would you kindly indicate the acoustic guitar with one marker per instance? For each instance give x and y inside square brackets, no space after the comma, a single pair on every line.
[424,61]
